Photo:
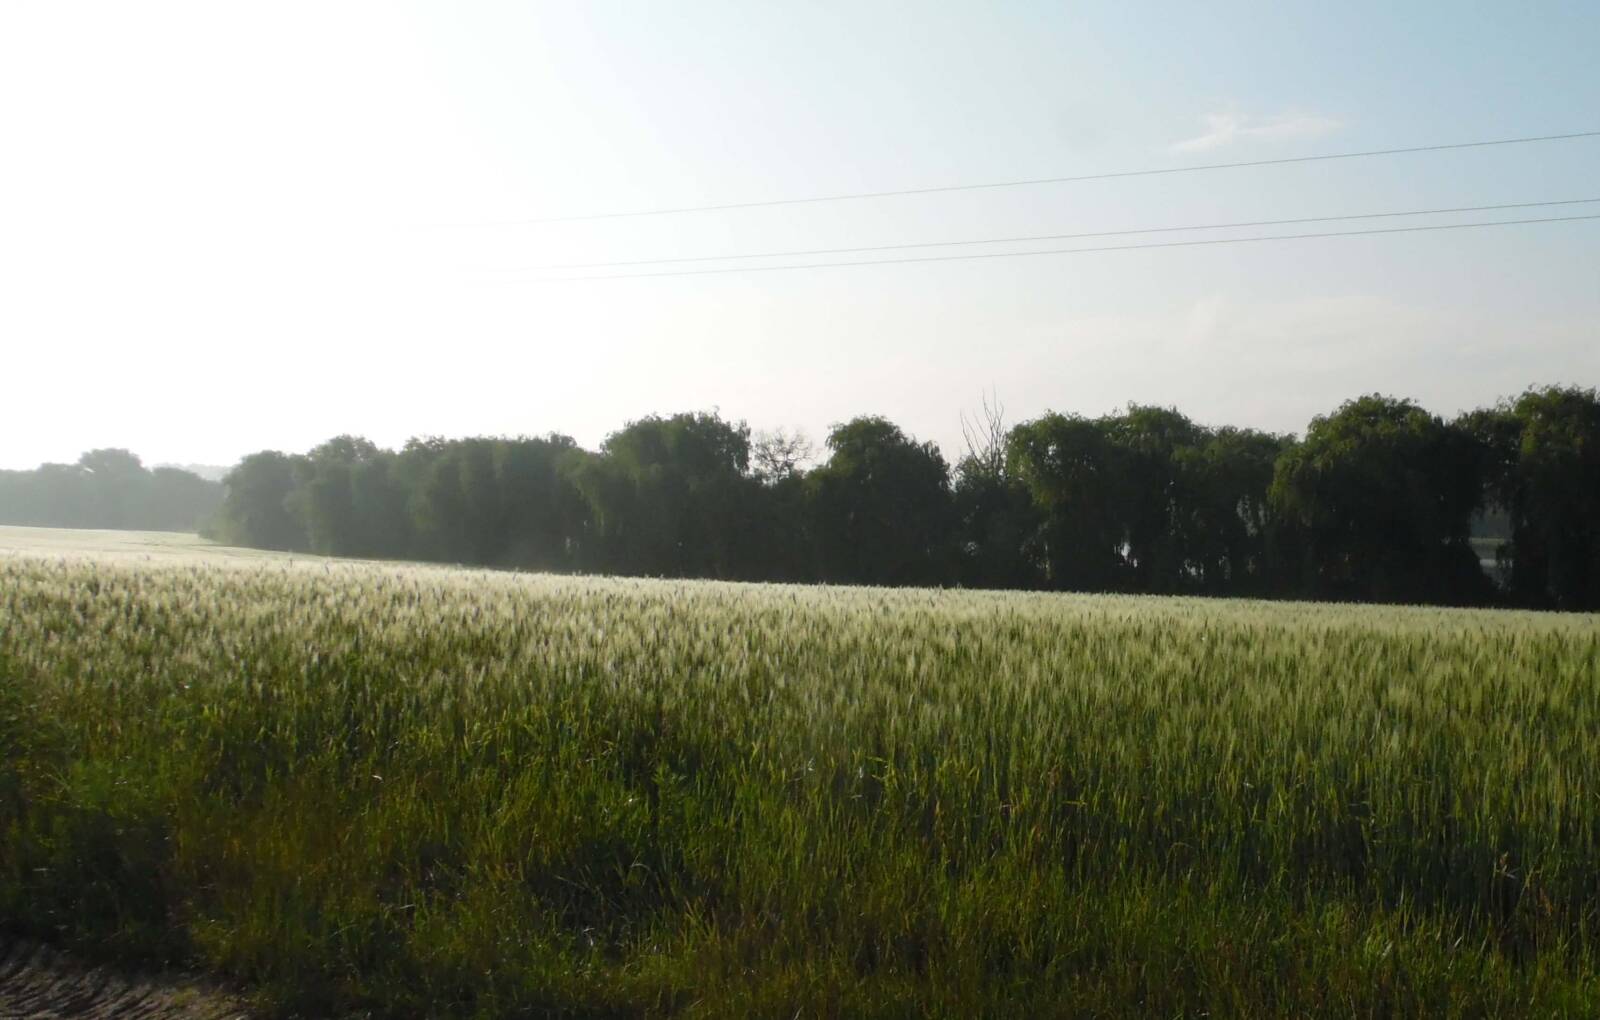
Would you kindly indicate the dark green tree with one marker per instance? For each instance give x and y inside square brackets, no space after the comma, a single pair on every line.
[455,503]
[781,545]
[673,496]
[1380,496]
[993,510]
[1229,530]
[1155,491]
[882,510]
[543,513]
[347,501]
[1071,470]
[256,504]
[1542,465]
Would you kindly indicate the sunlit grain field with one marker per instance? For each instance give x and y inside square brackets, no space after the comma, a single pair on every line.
[425,791]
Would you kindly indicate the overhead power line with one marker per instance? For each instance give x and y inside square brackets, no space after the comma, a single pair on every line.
[796,253]
[1031,182]
[1059,251]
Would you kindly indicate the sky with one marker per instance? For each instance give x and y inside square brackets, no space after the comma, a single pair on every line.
[233,227]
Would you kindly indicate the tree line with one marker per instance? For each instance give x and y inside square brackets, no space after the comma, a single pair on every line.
[108,488]
[1379,501]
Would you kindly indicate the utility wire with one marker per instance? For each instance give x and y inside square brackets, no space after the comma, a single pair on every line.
[853,196]
[1057,251]
[1049,237]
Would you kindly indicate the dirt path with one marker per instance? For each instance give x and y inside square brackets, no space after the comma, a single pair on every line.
[37,983]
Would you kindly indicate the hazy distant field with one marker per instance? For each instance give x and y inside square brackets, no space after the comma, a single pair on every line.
[423,791]
[123,545]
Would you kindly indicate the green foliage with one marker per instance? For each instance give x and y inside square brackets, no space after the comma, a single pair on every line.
[258,509]
[1542,453]
[1382,501]
[107,489]
[346,501]
[1147,501]
[1228,524]
[995,521]
[1380,496]
[1069,466]
[417,791]
[673,497]
[456,507]
[881,507]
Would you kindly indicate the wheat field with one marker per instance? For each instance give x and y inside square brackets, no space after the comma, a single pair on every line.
[393,790]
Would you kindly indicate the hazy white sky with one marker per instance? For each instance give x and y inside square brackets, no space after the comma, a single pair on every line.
[227,226]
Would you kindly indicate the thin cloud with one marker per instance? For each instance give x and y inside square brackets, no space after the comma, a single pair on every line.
[1226,128]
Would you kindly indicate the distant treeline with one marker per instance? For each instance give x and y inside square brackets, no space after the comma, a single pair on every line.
[108,489]
[1375,503]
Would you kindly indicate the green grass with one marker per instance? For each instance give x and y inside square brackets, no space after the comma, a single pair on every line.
[419,791]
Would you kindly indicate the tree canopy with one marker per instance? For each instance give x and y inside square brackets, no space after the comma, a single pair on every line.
[1378,501]
[108,488]
[1379,497]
